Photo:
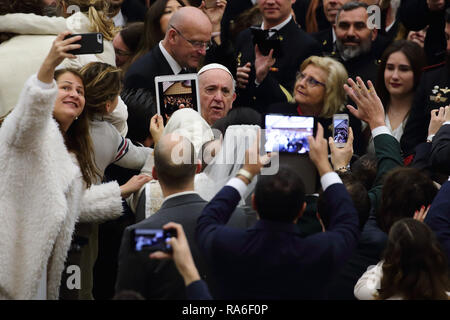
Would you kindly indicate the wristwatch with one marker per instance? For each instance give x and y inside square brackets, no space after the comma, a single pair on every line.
[245,174]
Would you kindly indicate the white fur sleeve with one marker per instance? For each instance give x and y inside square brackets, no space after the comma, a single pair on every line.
[25,125]
[30,23]
[101,203]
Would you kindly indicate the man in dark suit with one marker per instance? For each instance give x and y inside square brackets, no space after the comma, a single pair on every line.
[155,279]
[182,49]
[440,150]
[432,93]
[264,78]
[272,260]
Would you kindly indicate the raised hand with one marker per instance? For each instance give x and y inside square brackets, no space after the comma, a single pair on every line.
[340,157]
[57,54]
[215,14]
[242,75]
[370,109]
[437,119]
[156,127]
[263,64]
[318,151]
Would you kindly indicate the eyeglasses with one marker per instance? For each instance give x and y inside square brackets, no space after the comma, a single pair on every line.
[310,81]
[196,44]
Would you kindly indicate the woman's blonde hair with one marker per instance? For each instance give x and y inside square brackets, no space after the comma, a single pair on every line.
[101,84]
[335,97]
[78,139]
[96,11]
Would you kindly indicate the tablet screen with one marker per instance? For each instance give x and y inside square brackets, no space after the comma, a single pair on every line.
[176,92]
[288,134]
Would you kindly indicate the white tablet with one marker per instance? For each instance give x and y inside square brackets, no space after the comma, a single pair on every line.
[176,92]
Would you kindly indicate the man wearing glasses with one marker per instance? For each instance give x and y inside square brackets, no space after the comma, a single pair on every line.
[184,46]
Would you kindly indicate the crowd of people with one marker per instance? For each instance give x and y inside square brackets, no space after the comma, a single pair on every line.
[87,162]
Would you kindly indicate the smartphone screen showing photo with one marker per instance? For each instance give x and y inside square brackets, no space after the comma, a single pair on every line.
[150,240]
[340,130]
[176,92]
[288,134]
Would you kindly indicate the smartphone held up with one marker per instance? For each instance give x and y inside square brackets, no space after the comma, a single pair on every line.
[340,129]
[91,43]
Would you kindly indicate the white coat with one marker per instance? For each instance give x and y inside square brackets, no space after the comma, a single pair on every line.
[42,196]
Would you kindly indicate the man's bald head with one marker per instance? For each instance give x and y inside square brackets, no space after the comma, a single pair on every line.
[187,36]
[187,16]
[175,161]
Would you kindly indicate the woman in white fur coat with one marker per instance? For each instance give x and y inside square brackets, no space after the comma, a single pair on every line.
[45,180]
[78,16]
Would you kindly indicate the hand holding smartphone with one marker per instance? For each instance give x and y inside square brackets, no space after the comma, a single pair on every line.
[340,129]
[151,240]
[91,43]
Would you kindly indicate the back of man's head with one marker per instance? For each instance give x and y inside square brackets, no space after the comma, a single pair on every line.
[280,197]
[357,192]
[175,161]
[404,191]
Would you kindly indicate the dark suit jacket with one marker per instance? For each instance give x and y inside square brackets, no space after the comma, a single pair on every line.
[160,279]
[373,240]
[438,218]
[433,83]
[272,260]
[296,46]
[440,150]
[325,39]
[143,71]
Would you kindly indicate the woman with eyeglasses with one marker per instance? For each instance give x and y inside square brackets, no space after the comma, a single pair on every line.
[319,92]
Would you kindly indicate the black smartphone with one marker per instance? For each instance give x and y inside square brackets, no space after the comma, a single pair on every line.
[151,240]
[265,42]
[91,43]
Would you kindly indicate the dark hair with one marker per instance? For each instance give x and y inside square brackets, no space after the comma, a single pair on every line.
[349,6]
[416,57]
[404,191]
[131,35]
[279,197]
[357,192]
[414,266]
[101,84]
[175,175]
[364,169]
[78,139]
[238,116]
[152,28]
[22,6]
[141,108]
[19,6]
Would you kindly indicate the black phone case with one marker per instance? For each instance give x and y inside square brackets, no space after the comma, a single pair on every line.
[91,43]
[265,44]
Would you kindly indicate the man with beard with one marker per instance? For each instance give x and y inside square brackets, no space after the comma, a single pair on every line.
[355,41]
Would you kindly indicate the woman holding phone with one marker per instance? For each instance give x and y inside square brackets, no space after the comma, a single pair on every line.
[47,176]
[77,16]
[319,93]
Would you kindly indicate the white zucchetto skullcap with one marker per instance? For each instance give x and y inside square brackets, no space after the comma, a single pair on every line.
[215,66]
